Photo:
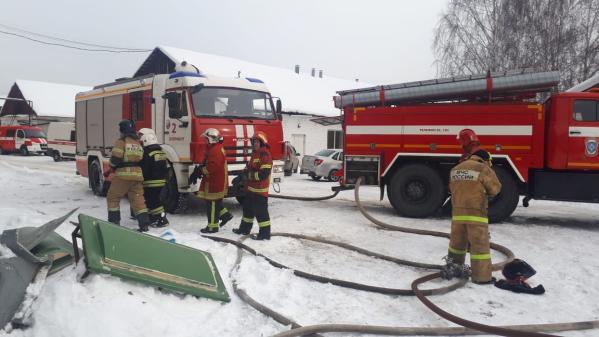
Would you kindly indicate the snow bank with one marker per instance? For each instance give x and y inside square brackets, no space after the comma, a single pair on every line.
[558,239]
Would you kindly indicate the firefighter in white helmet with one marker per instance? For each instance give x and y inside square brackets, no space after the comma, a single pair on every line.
[215,181]
[154,168]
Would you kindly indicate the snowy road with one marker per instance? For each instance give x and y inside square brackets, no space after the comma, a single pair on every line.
[560,240]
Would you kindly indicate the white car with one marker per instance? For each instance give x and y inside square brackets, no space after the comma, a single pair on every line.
[324,163]
[61,140]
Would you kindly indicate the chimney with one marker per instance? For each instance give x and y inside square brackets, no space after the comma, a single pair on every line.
[297,68]
[320,73]
[313,72]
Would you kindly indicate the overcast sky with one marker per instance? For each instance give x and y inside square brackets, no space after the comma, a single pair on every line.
[377,41]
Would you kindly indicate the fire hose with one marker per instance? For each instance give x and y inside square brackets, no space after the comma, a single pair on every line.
[468,327]
[291,197]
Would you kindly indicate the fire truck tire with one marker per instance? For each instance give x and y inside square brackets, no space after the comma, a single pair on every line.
[172,199]
[96,180]
[23,150]
[504,204]
[416,191]
[56,156]
[288,173]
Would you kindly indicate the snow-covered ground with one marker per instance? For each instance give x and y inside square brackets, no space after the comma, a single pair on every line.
[560,240]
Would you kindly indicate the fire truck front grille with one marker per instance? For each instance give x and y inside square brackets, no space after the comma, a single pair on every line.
[238,154]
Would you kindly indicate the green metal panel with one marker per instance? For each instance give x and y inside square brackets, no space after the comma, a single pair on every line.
[126,253]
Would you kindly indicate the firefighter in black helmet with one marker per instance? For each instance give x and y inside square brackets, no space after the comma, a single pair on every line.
[128,178]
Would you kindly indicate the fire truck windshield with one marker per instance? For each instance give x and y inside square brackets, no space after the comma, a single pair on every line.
[35,134]
[232,103]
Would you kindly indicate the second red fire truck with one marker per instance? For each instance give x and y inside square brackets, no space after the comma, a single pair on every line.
[403,138]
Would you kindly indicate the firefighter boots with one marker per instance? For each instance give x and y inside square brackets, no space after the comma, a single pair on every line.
[209,230]
[263,234]
[114,217]
[158,220]
[144,221]
[244,228]
[226,217]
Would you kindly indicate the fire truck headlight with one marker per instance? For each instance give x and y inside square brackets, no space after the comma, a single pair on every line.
[277,169]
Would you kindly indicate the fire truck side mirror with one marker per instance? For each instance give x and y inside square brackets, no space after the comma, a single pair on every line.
[279,108]
[174,104]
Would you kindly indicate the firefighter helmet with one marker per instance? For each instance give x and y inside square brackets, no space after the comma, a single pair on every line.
[127,127]
[212,135]
[518,270]
[466,137]
[147,137]
[260,136]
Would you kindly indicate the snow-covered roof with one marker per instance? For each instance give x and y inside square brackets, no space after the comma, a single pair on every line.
[51,99]
[300,93]
[586,85]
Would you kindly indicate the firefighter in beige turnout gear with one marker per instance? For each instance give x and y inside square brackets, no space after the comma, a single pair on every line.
[471,182]
[128,178]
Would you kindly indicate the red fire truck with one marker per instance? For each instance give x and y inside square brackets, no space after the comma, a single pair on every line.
[403,137]
[178,107]
[24,139]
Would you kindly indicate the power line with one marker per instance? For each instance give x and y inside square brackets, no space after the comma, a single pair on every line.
[74,47]
[69,41]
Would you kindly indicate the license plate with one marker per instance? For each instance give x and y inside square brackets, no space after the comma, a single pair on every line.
[276,180]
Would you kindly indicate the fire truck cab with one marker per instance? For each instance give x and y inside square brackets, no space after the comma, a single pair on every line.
[178,107]
[402,137]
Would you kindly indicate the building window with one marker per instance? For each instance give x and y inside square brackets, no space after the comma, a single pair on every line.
[137,106]
[334,139]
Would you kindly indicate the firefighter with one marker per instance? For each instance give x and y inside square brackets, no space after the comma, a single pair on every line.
[215,181]
[472,181]
[153,166]
[257,177]
[127,180]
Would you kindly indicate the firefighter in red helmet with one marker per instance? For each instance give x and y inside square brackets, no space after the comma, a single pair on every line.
[471,182]
[255,203]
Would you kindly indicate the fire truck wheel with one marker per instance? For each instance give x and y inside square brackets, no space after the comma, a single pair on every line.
[56,155]
[96,179]
[416,191]
[173,201]
[504,204]
[23,150]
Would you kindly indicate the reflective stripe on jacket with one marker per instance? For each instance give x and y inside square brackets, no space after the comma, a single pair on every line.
[154,166]
[259,170]
[471,182]
[126,153]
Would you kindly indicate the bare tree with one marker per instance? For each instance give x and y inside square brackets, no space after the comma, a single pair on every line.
[474,36]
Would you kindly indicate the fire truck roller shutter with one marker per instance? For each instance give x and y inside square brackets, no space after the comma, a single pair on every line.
[416,190]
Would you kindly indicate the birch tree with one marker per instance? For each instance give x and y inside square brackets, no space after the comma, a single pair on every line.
[474,36]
